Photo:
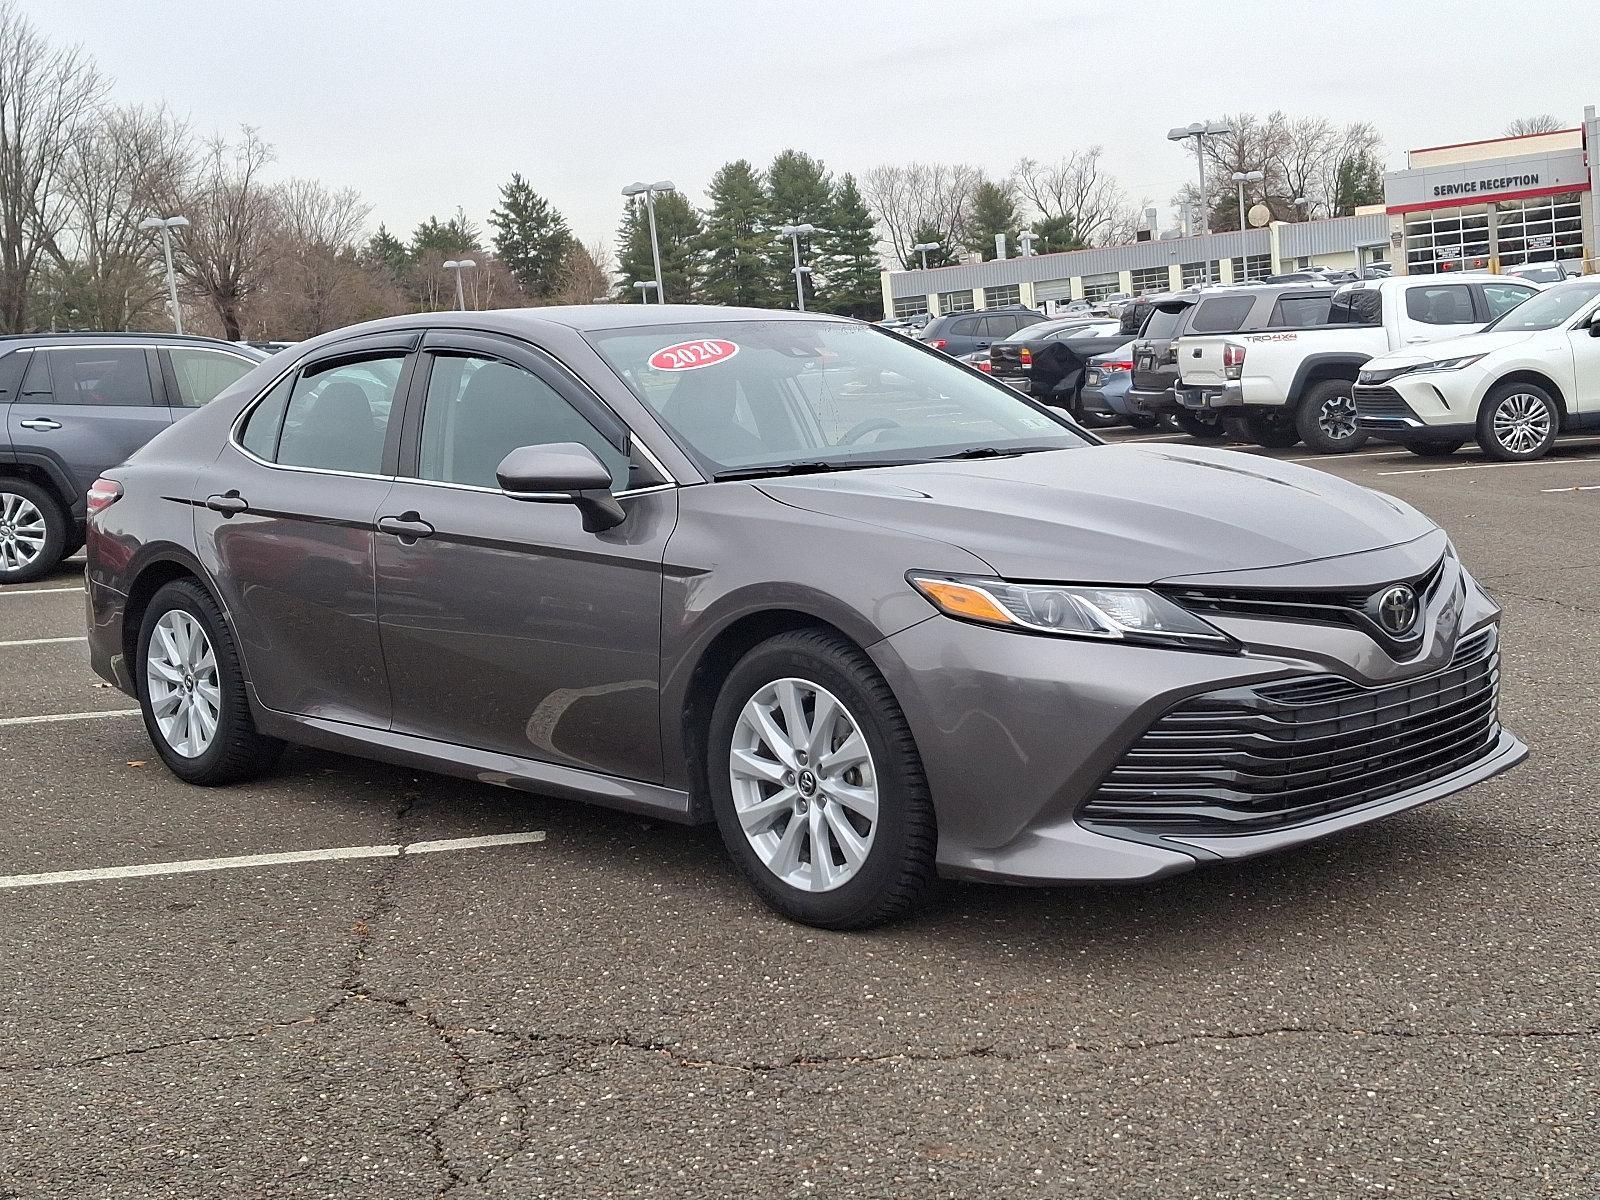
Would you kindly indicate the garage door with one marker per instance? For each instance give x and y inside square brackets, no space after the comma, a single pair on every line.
[1054,289]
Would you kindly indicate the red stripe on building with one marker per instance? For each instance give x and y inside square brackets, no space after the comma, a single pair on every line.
[1492,198]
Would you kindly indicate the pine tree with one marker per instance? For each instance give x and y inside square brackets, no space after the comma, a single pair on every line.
[801,194]
[531,238]
[849,255]
[1357,181]
[454,237]
[387,251]
[678,229]
[1056,234]
[994,212]
[944,256]
[736,246]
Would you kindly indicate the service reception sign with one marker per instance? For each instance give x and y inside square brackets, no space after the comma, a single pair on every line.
[1463,184]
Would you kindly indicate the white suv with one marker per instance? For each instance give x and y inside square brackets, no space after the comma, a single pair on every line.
[1528,376]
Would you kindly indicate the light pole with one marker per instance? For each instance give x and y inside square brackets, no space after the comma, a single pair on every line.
[1242,178]
[1200,131]
[1026,239]
[923,248]
[648,191]
[459,265]
[1302,208]
[794,233]
[167,225]
[644,286]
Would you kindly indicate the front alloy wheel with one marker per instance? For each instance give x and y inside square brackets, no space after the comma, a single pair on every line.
[1518,423]
[804,787]
[22,533]
[1326,419]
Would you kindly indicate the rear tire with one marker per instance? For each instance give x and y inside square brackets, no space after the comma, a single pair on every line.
[1326,418]
[196,669]
[1144,421]
[1272,430]
[1434,449]
[34,532]
[869,810]
[1206,429]
[1518,422]
[1096,420]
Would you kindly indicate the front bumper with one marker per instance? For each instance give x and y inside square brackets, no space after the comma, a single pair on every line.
[1018,732]
[1415,409]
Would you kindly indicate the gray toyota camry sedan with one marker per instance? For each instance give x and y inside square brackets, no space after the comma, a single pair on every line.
[877,616]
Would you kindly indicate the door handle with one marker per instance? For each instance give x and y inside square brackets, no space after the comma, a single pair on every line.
[408,527]
[40,423]
[227,505]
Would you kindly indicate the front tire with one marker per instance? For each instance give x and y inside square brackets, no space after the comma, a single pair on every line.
[1273,429]
[1518,422]
[816,784]
[34,532]
[1434,449]
[1206,428]
[1326,418]
[191,690]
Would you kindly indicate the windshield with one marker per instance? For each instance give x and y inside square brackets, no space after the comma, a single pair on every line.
[741,396]
[1546,310]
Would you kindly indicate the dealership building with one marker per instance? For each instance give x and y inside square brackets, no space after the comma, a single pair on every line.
[1487,205]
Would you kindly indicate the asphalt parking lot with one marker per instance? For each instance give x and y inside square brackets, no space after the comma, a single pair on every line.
[607,1011]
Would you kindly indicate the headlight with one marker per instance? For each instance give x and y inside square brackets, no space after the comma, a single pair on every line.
[1448,364]
[1114,614]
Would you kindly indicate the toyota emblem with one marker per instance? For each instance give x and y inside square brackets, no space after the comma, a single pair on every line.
[1397,610]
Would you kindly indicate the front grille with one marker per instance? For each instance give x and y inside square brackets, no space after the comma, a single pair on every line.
[1251,759]
[1344,607]
[1382,402]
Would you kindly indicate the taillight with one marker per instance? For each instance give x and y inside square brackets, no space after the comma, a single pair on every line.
[938,343]
[985,365]
[1232,360]
[1116,366]
[103,493]
[1025,357]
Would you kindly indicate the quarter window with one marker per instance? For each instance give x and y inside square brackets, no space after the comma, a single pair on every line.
[1221,314]
[1503,297]
[261,427]
[336,418]
[202,374]
[478,410]
[1300,311]
[1447,304]
[89,375]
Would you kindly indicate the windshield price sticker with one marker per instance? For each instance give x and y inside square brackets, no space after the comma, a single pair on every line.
[691,356]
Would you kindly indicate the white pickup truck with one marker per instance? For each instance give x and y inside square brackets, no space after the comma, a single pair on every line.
[1287,385]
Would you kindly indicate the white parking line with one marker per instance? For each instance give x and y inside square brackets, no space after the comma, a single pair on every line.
[245,861]
[43,641]
[38,591]
[78,716]
[1583,487]
[1538,462]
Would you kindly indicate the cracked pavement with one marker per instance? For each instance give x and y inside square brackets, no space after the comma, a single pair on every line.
[1408,1010]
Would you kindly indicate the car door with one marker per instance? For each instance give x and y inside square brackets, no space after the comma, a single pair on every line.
[1583,337]
[1436,311]
[505,626]
[285,522]
[81,409]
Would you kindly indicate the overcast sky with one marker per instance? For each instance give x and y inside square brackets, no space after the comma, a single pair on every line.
[426,106]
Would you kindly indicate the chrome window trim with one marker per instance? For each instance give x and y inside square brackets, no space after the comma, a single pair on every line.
[489,491]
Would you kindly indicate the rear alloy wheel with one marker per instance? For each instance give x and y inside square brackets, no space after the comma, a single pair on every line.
[1271,429]
[1518,422]
[816,784]
[1326,418]
[33,532]
[1434,449]
[1205,426]
[191,690]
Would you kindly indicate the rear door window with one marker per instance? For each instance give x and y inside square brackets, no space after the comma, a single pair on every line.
[1299,311]
[336,419]
[1503,297]
[90,375]
[1441,304]
[1356,306]
[1221,314]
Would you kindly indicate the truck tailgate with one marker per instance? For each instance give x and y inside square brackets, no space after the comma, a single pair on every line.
[1200,360]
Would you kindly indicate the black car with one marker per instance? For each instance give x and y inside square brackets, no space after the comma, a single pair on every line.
[72,405]
[1047,360]
[959,334]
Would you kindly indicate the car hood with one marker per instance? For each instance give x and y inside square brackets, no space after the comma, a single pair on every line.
[1117,514]
[1472,343]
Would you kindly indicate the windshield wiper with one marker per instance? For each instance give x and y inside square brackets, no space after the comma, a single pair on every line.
[994,452]
[800,468]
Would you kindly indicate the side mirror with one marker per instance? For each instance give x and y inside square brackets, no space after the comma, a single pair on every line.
[1594,327]
[562,473]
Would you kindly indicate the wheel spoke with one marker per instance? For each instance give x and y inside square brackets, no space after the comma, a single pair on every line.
[824,715]
[794,715]
[166,706]
[850,842]
[759,817]
[773,736]
[748,763]
[851,751]
[786,854]
[821,850]
[859,800]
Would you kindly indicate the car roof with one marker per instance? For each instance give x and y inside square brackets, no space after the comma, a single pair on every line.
[82,338]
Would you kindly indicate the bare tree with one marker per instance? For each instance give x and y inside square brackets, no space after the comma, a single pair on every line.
[228,248]
[1542,123]
[315,276]
[906,198]
[46,94]
[1079,189]
[1301,158]
[584,274]
[115,166]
